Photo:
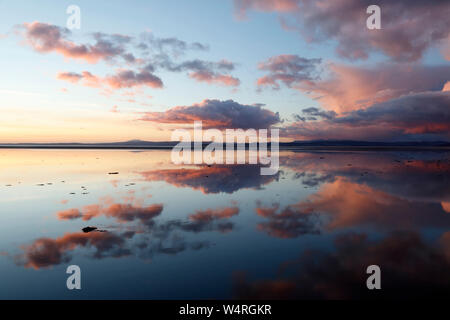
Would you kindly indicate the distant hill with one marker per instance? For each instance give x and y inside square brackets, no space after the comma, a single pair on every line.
[311,144]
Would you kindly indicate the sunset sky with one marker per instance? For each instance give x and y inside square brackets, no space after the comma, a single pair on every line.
[138,69]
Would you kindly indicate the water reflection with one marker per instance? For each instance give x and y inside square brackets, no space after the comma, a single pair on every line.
[45,252]
[150,236]
[411,268]
[308,232]
[213,179]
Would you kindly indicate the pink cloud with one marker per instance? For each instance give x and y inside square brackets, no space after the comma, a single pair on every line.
[69,214]
[417,115]
[445,48]
[350,88]
[87,79]
[446,86]
[122,79]
[211,77]
[446,206]
[46,252]
[129,78]
[45,38]
[242,6]
[214,214]
[48,38]
[121,212]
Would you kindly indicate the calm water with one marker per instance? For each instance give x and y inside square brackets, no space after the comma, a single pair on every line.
[182,232]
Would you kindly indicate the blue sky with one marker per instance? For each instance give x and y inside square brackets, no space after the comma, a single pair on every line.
[40,107]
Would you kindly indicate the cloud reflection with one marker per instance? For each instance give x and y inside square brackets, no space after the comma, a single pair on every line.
[213,179]
[355,191]
[144,240]
[411,268]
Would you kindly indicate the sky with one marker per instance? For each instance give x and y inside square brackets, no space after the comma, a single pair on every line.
[139,69]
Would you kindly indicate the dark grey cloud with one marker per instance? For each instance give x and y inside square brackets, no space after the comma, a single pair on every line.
[408,28]
[313,113]
[169,45]
[429,111]
[290,222]
[200,70]
[217,114]
[290,70]
[418,116]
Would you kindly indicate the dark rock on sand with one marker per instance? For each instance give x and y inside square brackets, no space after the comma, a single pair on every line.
[89,229]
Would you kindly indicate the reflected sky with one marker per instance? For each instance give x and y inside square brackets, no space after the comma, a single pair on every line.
[168,231]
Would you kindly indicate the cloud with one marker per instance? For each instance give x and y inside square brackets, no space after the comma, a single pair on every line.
[87,79]
[69,76]
[122,212]
[199,70]
[446,206]
[314,113]
[214,179]
[361,205]
[348,88]
[214,214]
[342,88]
[289,223]
[122,79]
[143,240]
[46,38]
[69,214]
[406,176]
[406,32]
[169,45]
[150,54]
[194,65]
[129,78]
[427,112]
[417,116]
[209,220]
[445,48]
[211,78]
[217,114]
[389,191]
[446,86]
[45,252]
[411,268]
[145,244]
[290,70]
[242,6]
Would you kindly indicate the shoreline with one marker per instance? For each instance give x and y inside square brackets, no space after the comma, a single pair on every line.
[281,148]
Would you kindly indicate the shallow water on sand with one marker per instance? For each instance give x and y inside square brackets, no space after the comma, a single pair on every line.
[223,231]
